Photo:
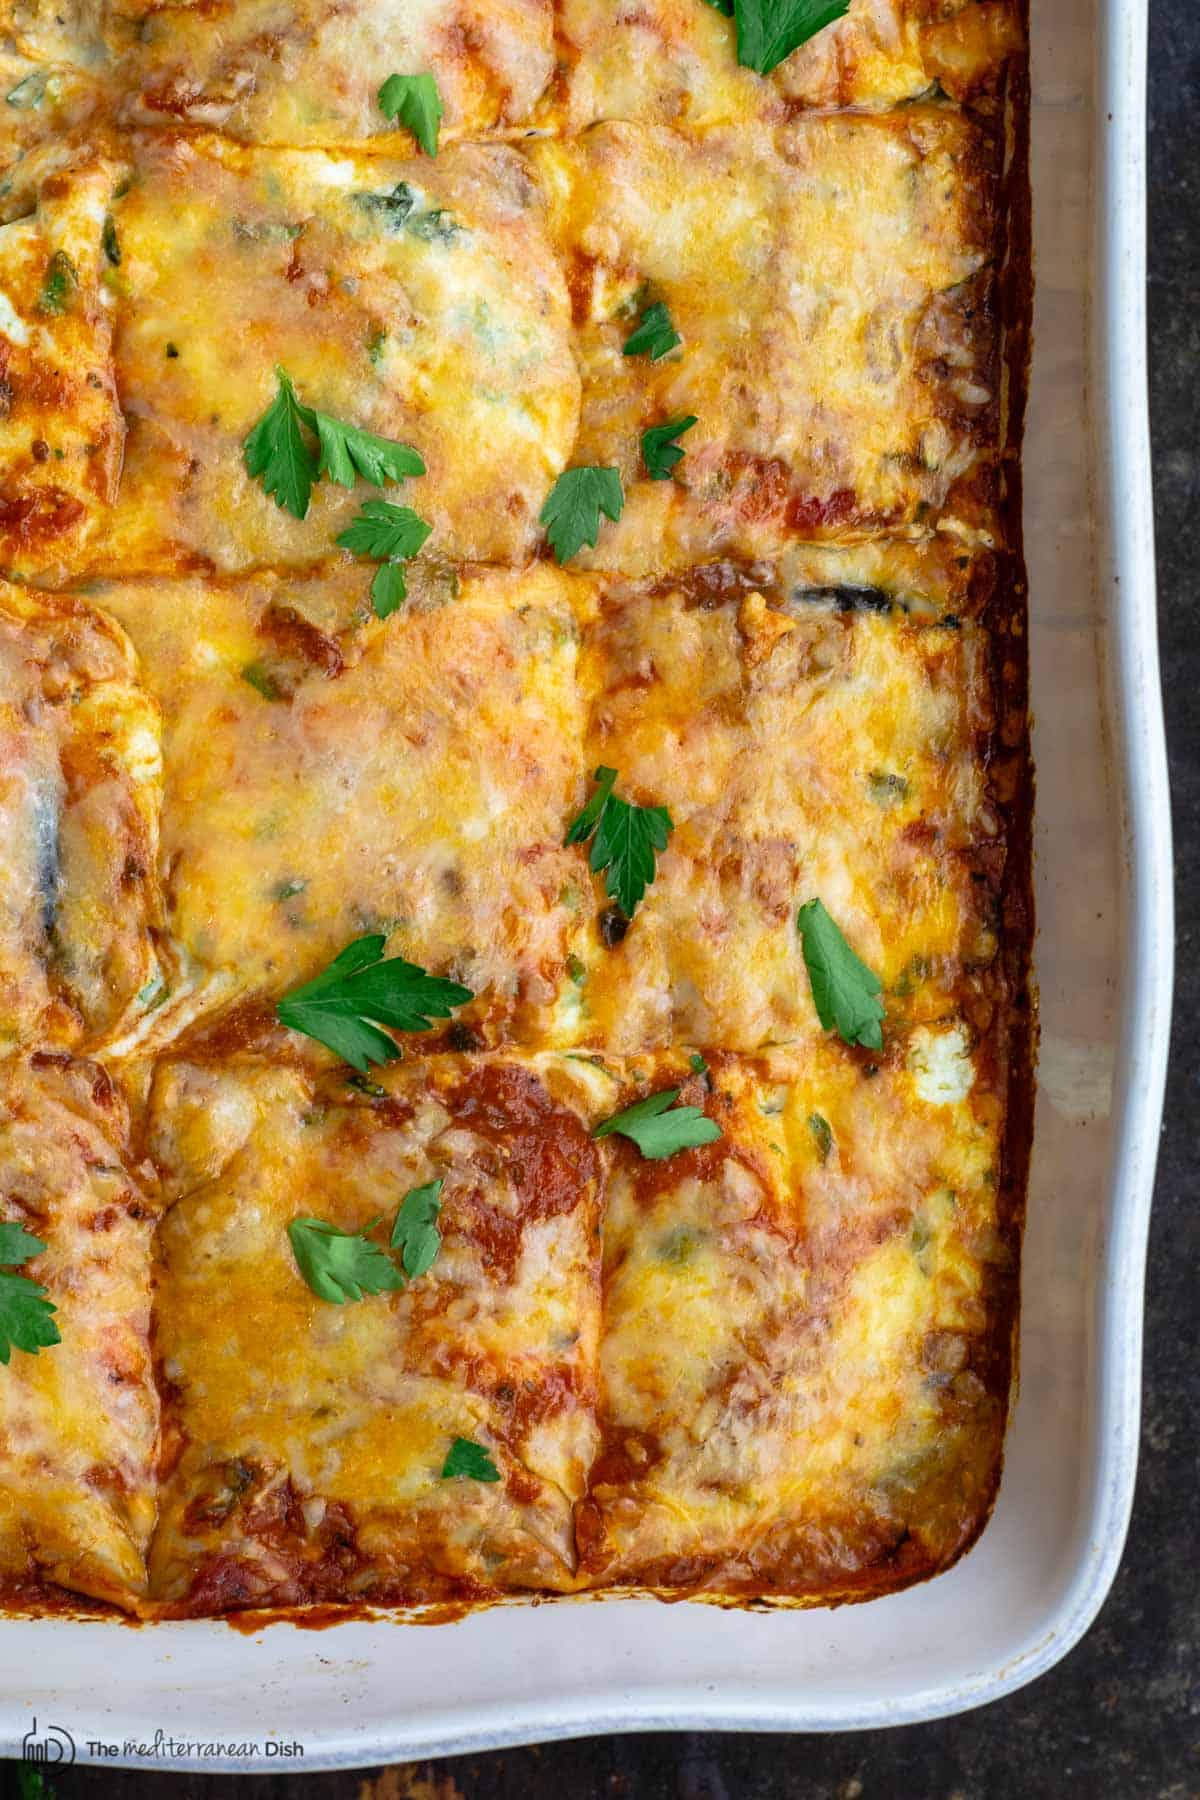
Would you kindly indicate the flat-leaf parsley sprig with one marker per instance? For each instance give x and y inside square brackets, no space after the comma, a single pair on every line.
[26,1313]
[659,1128]
[625,841]
[572,511]
[845,992]
[279,453]
[360,991]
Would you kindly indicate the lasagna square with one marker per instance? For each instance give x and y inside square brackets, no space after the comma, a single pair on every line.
[330,774]
[308,1442]
[415,300]
[60,423]
[808,741]
[804,1349]
[80,786]
[827,283]
[79,1418]
[670,62]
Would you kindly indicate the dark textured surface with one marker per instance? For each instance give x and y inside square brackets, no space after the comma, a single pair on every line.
[1120,1718]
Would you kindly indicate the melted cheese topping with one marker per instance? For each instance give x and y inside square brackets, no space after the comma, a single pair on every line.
[800,752]
[78,1421]
[669,62]
[496,1343]
[788,1397]
[823,280]
[327,776]
[80,788]
[415,300]
[60,427]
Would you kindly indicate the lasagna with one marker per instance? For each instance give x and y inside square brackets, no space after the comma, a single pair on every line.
[515,1019]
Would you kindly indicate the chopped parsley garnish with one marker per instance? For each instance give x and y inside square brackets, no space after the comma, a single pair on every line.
[626,838]
[769,30]
[341,1265]
[391,534]
[345,1005]
[415,1233]
[697,1063]
[30,92]
[654,335]
[657,1132]
[469,1459]
[262,681]
[415,101]
[845,992]
[110,242]
[822,1135]
[572,511]
[26,1315]
[60,285]
[660,452]
[279,453]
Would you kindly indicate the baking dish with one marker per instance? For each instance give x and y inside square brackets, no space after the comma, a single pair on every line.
[203,1695]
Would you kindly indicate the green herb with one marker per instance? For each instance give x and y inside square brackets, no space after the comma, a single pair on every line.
[697,1063]
[341,1265]
[392,534]
[32,1784]
[887,789]
[769,30]
[576,970]
[657,1132]
[362,1084]
[415,1233]
[262,681]
[822,1135]
[30,92]
[153,994]
[660,452]
[572,511]
[375,344]
[360,986]
[655,334]
[26,1321]
[347,451]
[472,1460]
[277,451]
[626,839]
[415,101]
[110,243]
[844,989]
[60,285]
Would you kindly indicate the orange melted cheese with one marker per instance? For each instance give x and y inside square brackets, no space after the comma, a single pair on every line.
[771,1367]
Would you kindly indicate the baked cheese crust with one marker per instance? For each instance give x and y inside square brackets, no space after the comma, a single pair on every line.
[751,1341]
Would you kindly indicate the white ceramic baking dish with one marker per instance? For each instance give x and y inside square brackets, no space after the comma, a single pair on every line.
[375,1692]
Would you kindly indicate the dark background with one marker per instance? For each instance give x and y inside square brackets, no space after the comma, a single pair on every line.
[1119,1719]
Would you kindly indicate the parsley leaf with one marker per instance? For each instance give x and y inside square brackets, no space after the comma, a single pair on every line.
[657,1132]
[660,453]
[341,1265]
[626,839]
[60,286]
[415,101]
[415,1233]
[26,1321]
[769,30]
[655,334]
[346,452]
[360,986]
[388,589]
[822,1135]
[844,990]
[571,514]
[277,451]
[466,1458]
[392,534]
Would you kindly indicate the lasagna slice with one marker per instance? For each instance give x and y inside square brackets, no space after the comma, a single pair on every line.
[60,423]
[274,72]
[79,1418]
[809,741]
[673,62]
[806,1326]
[330,774]
[828,283]
[415,300]
[80,786]
[309,1446]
